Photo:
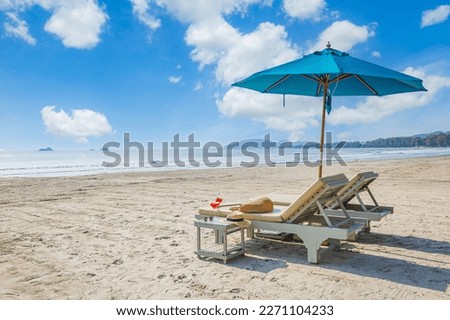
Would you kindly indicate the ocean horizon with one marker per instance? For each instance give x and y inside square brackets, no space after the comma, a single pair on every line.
[75,163]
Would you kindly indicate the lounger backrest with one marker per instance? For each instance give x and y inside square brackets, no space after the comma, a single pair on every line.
[356,184]
[323,190]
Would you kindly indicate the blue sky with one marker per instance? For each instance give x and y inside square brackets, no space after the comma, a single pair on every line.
[76,74]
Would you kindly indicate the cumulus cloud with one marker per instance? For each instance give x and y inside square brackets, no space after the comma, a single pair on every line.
[374,109]
[265,47]
[210,39]
[141,10]
[174,80]
[298,114]
[80,125]
[78,23]
[18,28]
[216,42]
[343,35]
[186,12]
[435,16]
[234,54]
[304,9]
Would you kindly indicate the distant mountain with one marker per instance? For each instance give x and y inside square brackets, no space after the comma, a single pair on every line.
[46,149]
[435,139]
[425,135]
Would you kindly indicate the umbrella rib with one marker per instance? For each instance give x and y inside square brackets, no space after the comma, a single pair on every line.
[341,77]
[366,84]
[319,86]
[277,83]
[317,79]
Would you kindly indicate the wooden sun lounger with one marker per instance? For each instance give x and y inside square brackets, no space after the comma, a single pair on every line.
[304,217]
[357,185]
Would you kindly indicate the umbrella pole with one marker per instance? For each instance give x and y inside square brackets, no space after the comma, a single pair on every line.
[322,132]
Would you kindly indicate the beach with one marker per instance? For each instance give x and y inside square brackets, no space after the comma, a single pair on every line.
[132,236]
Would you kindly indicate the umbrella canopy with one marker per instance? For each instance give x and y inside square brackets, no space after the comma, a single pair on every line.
[330,72]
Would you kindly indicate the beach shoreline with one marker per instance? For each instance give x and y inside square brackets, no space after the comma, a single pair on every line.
[76,163]
[131,236]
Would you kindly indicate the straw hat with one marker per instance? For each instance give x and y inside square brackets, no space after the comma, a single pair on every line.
[259,205]
[238,218]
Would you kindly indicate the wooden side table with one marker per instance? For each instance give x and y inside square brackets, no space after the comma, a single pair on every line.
[220,249]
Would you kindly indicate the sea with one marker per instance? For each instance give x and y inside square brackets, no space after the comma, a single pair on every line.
[75,163]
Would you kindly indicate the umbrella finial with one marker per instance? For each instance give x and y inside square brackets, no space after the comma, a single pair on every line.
[328,45]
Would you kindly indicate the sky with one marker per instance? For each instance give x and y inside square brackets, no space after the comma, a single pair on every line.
[77,74]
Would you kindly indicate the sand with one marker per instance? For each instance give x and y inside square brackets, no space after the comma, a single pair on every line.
[131,236]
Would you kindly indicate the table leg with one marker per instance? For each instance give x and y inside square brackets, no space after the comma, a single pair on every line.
[199,234]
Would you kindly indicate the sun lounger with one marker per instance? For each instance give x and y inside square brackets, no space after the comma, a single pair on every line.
[361,210]
[304,217]
[356,186]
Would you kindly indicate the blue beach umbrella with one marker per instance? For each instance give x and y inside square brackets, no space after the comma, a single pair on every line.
[329,73]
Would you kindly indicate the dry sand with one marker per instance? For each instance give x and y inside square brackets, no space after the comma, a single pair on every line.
[131,236]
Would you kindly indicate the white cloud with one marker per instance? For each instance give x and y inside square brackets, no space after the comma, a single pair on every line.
[80,125]
[202,10]
[188,11]
[141,10]
[298,114]
[216,42]
[265,47]
[435,16]
[198,86]
[78,23]
[18,28]
[210,39]
[174,80]
[374,109]
[343,35]
[376,54]
[304,9]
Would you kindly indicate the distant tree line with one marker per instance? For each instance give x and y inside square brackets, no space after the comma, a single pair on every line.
[433,140]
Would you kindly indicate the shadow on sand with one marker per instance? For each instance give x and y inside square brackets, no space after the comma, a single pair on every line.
[408,242]
[268,255]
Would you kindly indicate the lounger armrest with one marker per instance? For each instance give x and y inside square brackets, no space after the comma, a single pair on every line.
[369,215]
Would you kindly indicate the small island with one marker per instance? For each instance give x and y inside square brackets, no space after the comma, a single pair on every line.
[46,149]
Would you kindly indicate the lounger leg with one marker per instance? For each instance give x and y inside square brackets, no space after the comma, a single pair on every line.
[367,229]
[250,232]
[199,235]
[312,248]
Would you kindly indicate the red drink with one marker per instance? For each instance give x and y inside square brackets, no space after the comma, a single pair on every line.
[214,204]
